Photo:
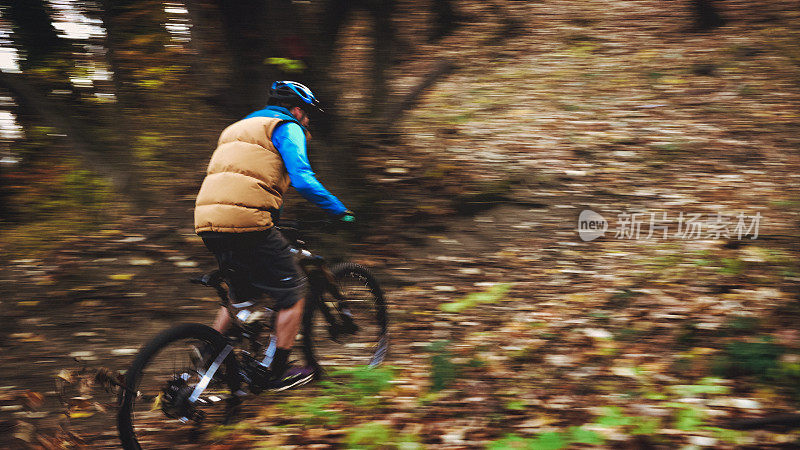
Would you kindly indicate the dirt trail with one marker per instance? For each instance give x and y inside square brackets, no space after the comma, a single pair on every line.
[608,106]
[94,308]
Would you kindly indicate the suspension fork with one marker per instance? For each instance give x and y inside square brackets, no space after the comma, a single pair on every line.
[346,325]
[322,281]
[333,288]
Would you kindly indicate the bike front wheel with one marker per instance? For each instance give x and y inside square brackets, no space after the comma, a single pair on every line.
[161,404]
[357,335]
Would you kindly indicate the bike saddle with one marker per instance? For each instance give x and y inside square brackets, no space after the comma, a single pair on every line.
[291,234]
[210,279]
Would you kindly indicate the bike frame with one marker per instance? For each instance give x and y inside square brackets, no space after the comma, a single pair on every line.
[321,280]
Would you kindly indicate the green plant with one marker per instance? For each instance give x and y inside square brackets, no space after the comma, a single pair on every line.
[550,441]
[741,324]
[688,334]
[316,411]
[741,358]
[628,334]
[378,435]
[635,425]
[731,266]
[221,432]
[359,386]
[368,435]
[517,405]
[287,65]
[553,440]
[613,417]
[647,426]
[86,188]
[491,295]
[546,441]
[580,435]
[509,441]
[706,386]
[787,375]
[443,370]
[688,419]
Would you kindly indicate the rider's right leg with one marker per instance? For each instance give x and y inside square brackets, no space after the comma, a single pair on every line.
[223,321]
[287,324]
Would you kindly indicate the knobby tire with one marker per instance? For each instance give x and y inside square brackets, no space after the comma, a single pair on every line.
[127,397]
[369,345]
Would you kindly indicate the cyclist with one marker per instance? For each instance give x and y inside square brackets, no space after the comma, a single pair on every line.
[240,201]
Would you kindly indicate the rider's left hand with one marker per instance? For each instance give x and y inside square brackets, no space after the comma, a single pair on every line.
[348,217]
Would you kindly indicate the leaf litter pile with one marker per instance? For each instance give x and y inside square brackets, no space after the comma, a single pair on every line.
[507,329]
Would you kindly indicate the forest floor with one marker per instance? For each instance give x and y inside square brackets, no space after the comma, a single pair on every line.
[508,330]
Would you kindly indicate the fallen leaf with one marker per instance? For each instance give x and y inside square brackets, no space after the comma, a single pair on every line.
[121,276]
[79,403]
[34,399]
[24,431]
[142,262]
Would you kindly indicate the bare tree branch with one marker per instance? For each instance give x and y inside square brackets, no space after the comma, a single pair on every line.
[396,109]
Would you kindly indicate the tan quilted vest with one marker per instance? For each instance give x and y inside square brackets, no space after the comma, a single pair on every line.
[245,180]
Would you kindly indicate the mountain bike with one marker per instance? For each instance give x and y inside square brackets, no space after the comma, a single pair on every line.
[191,374]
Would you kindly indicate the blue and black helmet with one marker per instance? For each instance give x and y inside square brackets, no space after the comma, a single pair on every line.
[294,92]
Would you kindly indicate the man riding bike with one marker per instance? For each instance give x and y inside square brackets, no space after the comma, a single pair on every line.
[239,203]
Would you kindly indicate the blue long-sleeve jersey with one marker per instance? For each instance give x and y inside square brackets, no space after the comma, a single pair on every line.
[290,140]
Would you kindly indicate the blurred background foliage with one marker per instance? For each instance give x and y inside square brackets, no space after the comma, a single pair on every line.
[118,102]
[114,105]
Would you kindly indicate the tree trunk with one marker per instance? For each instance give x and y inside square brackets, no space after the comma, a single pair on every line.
[706,15]
[445,18]
[334,15]
[33,29]
[134,31]
[243,24]
[287,37]
[7,212]
[383,34]
[135,37]
[209,56]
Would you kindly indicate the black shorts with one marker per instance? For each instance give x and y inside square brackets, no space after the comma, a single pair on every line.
[256,263]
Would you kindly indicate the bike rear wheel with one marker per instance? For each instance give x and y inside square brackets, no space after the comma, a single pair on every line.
[156,404]
[365,301]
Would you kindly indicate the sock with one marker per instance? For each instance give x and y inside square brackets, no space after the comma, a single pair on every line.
[280,362]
